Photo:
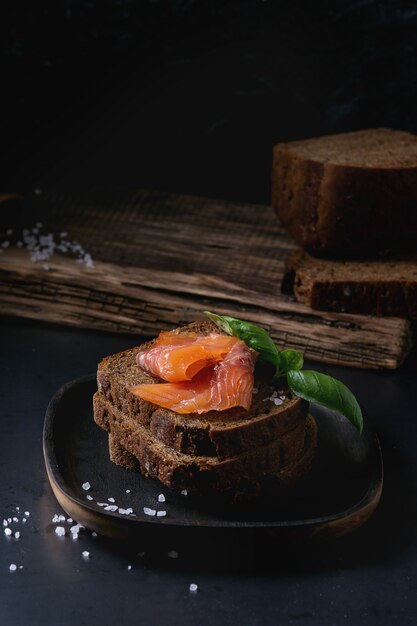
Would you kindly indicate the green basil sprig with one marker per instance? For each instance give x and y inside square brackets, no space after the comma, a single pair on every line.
[306,384]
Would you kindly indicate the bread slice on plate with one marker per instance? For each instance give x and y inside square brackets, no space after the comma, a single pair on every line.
[217,450]
[131,444]
[352,195]
[375,287]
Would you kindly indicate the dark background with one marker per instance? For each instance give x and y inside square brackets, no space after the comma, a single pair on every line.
[190,95]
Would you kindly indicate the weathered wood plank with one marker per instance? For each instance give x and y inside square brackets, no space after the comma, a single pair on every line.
[160,260]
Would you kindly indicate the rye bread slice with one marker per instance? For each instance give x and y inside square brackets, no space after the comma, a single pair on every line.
[352,195]
[199,474]
[216,433]
[374,287]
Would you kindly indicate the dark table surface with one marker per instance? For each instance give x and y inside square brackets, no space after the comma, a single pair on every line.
[367,578]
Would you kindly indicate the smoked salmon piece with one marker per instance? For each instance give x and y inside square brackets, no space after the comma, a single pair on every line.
[178,358]
[227,384]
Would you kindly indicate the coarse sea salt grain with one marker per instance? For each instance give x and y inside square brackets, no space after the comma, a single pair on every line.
[18,508]
[161,497]
[149,511]
[193,587]
[5,522]
[9,519]
[8,532]
[27,513]
[86,555]
[111,507]
[69,520]
[111,499]
[129,567]
[89,497]
[15,519]
[94,534]
[24,520]
[127,490]
[86,486]
[173,554]
[184,492]
[60,531]
[278,401]
[12,567]
[17,535]
[161,513]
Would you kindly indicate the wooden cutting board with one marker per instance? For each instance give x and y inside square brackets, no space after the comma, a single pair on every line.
[161,259]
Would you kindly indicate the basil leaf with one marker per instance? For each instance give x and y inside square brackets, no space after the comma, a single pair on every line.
[291,360]
[254,336]
[328,392]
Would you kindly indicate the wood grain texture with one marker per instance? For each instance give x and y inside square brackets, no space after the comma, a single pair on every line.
[160,260]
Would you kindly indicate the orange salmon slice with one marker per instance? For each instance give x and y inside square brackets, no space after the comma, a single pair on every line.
[178,358]
[227,384]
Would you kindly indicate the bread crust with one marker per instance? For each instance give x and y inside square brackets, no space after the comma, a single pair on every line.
[344,211]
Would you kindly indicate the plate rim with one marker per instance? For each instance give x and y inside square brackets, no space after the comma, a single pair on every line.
[371,496]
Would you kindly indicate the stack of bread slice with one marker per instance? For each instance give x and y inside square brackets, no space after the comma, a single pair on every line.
[350,202]
[221,451]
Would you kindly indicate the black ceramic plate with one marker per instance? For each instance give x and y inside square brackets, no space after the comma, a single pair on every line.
[338,495]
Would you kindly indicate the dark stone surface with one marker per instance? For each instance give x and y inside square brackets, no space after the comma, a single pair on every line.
[368,578]
[191,95]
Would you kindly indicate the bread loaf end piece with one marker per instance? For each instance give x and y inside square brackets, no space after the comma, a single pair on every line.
[352,195]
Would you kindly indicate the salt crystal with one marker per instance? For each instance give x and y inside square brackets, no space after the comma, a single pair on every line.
[17,535]
[278,401]
[161,514]
[60,531]
[149,511]
[89,497]
[69,520]
[193,587]
[86,486]
[27,513]
[5,522]
[24,520]
[46,267]
[74,535]
[61,518]
[129,510]
[20,566]
[127,490]
[94,534]
[9,232]
[102,503]
[74,529]
[111,499]
[55,519]
[18,508]
[129,567]
[161,497]
[111,507]
[12,567]
[173,554]
[184,492]
[8,532]
[15,519]
[9,519]
[86,554]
